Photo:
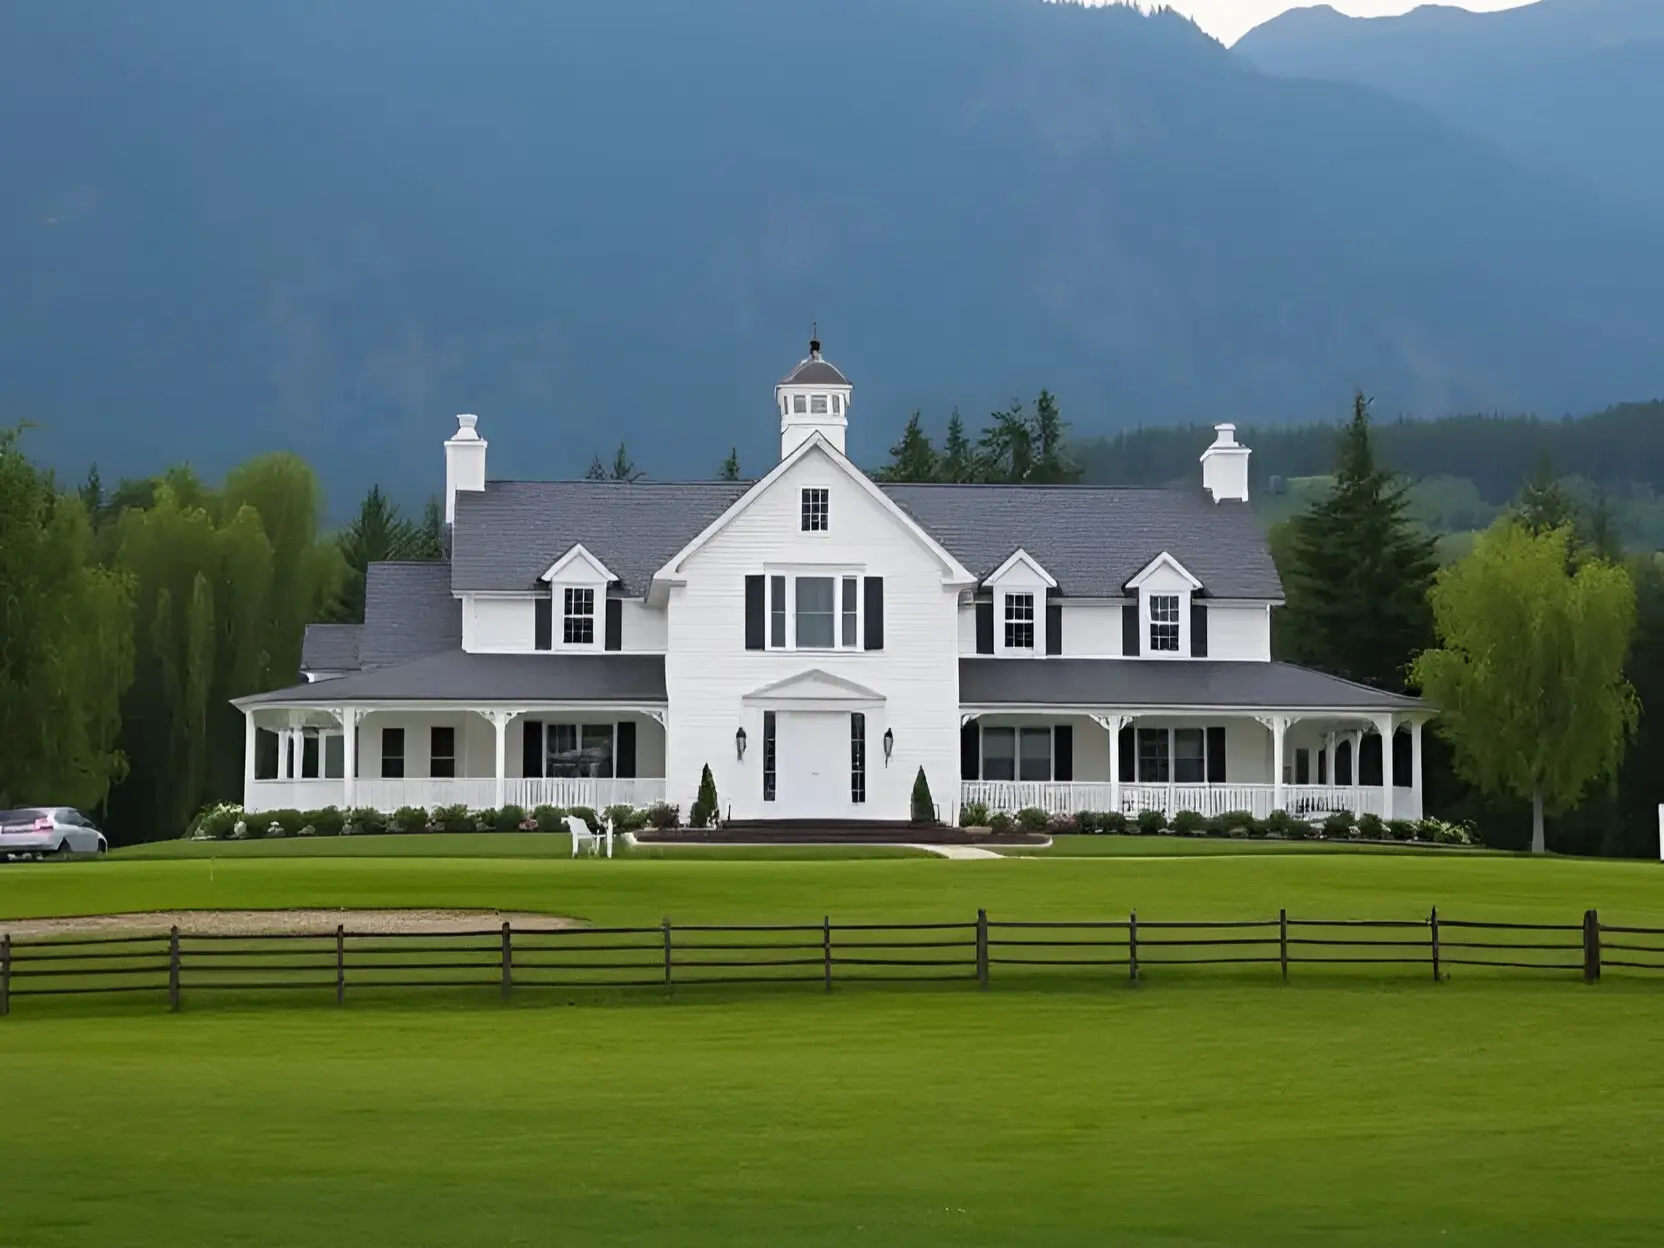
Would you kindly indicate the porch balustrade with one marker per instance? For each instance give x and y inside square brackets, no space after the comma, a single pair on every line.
[1307,801]
[476,793]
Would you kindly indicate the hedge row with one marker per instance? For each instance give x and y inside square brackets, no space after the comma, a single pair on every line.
[230,822]
[1236,823]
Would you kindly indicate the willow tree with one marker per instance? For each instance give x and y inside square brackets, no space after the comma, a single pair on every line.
[1529,673]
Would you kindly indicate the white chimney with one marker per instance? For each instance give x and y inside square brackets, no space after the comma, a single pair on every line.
[1225,467]
[464,463]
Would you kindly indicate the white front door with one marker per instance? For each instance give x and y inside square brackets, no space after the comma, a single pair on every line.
[812,765]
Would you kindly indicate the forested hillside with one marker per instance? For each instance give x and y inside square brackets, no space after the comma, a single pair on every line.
[322,227]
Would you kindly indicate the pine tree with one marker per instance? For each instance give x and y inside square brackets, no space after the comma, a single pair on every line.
[912,458]
[730,469]
[923,806]
[378,533]
[705,805]
[1542,504]
[958,465]
[597,471]
[623,467]
[1052,465]
[1358,572]
[1005,452]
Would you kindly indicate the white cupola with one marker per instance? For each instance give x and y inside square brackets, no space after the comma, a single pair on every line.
[812,398]
[1225,467]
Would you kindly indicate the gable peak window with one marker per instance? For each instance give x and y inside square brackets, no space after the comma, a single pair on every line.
[817,509]
[578,617]
[1019,621]
[1164,623]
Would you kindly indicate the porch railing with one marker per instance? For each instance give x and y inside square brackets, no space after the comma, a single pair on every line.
[474,792]
[1311,801]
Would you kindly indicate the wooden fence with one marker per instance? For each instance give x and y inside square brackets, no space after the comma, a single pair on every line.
[667,956]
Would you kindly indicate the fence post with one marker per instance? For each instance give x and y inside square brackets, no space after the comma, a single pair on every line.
[1433,924]
[667,981]
[173,969]
[5,974]
[340,964]
[1282,940]
[1132,947]
[826,948]
[982,949]
[1591,947]
[508,961]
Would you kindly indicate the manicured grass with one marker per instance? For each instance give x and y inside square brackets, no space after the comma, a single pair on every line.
[1204,846]
[472,845]
[1201,1113]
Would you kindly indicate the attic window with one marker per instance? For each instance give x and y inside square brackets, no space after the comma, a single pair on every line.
[817,405]
[1019,621]
[578,624]
[816,509]
[800,405]
[1164,622]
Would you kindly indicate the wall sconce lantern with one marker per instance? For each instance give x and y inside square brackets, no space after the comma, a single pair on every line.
[739,743]
[889,745]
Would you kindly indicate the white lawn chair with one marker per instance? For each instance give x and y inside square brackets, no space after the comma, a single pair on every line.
[584,839]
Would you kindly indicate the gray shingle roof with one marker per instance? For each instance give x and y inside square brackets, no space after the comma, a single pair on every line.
[456,676]
[1134,683]
[1094,539]
[814,372]
[507,535]
[330,648]
[409,613]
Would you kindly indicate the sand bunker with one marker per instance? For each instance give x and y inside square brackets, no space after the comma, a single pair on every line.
[267,922]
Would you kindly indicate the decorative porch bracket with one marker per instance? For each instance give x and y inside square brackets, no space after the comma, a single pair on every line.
[1278,725]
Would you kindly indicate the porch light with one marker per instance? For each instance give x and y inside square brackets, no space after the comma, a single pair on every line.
[889,745]
[739,743]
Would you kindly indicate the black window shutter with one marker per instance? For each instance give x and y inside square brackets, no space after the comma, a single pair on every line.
[1129,754]
[1216,755]
[1129,629]
[531,749]
[970,751]
[545,626]
[615,624]
[624,759]
[1369,761]
[1063,752]
[1054,628]
[985,628]
[1403,762]
[874,590]
[1343,754]
[1198,631]
[755,613]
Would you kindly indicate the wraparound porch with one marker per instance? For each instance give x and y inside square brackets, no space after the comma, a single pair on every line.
[1303,801]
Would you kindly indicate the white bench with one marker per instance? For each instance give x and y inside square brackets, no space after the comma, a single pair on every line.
[583,839]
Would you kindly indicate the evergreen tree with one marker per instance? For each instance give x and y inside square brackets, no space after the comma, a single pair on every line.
[1052,465]
[912,458]
[1542,505]
[923,806]
[730,469]
[597,471]
[1358,572]
[958,456]
[1005,452]
[377,534]
[432,542]
[623,467]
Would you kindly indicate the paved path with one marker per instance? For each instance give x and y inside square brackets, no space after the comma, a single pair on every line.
[957,851]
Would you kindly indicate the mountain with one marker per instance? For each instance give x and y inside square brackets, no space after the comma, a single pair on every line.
[1574,87]
[228,227]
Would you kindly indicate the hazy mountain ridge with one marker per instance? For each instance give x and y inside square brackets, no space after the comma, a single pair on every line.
[331,227]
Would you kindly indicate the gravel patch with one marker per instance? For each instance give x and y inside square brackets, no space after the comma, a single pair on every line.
[272,922]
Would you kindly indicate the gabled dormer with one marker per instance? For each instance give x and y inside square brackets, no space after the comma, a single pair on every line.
[576,615]
[1017,612]
[1165,621]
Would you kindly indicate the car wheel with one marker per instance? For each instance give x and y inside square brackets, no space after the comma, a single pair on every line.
[63,853]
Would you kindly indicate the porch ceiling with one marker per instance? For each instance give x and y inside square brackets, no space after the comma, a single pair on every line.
[1134,684]
[457,676]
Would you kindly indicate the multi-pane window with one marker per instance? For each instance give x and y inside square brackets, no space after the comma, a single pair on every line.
[777,612]
[1017,753]
[800,405]
[392,753]
[1019,621]
[816,613]
[768,756]
[1164,622]
[442,753]
[999,753]
[816,510]
[851,589]
[1190,755]
[1034,754]
[817,405]
[857,757]
[578,750]
[578,626]
[1153,763]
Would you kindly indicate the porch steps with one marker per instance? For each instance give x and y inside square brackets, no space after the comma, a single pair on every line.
[827,832]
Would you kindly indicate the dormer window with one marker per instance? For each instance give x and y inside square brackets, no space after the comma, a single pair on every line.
[1019,621]
[578,619]
[800,404]
[1164,623]
[816,510]
[817,405]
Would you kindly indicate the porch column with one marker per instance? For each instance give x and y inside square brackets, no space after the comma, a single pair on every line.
[1415,766]
[1112,724]
[249,742]
[284,769]
[1278,724]
[500,721]
[349,715]
[1384,726]
[1329,776]
[1357,777]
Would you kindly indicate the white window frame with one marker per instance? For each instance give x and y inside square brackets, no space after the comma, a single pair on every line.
[1177,624]
[819,405]
[838,575]
[1002,621]
[826,516]
[1017,731]
[597,595]
[1173,754]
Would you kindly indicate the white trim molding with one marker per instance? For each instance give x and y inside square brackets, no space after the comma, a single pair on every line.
[1163,560]
[598,571]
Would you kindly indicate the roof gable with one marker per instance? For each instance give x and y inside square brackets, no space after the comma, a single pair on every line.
[1021,559]
[1163,567]
[578,564]
[818,687]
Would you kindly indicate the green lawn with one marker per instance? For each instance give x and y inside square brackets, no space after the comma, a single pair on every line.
[1201,1108]
[480,845]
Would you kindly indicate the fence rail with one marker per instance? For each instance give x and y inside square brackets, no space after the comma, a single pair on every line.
[672,956]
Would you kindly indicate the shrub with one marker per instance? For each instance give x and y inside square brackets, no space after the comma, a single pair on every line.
[1440,832]
[1112,823]
[509,819]
[483,820]
[705,805]
[364,821]
[277,823]
[1032,819]
[215,821]
[1281,823]
[619,815]
[1190,823]
[1371,827]
[549,819]
[1086,823]
[588,815]
[663,815]
[1337,826]
[973,815]
[409,819]
[1063,825]
[1151,822]
[328,821]
[999,823]
[923,805]
[453,818]
[1401,829]
[1234,823]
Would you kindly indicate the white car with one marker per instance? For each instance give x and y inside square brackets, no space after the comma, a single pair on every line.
[61,831]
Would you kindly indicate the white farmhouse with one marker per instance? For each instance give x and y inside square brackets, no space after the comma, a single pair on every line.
[817,638]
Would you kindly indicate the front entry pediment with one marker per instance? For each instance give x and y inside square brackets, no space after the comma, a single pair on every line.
[814,690]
